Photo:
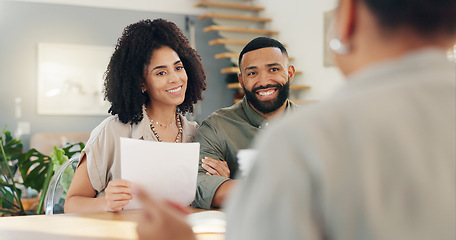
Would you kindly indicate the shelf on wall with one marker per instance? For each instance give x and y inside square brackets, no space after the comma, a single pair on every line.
[228,5]
[241,30]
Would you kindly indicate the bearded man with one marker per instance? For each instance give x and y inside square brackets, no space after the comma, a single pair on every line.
[265,76]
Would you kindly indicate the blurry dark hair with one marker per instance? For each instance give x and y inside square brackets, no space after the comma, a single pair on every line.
[132,55]
[426,17]
[261,42]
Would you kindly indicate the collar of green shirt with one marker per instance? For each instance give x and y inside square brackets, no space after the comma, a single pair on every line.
[255,118]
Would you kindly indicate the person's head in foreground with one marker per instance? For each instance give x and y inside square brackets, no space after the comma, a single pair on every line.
[265,74]
[291,199]
[389,29]
[153,64]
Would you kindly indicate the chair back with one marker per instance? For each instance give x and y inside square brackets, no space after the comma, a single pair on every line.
[58,186]
[45,142]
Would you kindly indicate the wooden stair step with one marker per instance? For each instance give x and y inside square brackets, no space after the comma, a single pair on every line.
[228,41]
[293,100]
[237,29]
[292,86]
[234,17]
[236,70]
[230,70]
[234,55]
[228,5]
[226,55]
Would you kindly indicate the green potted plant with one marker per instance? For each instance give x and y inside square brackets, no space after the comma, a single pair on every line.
[29,170]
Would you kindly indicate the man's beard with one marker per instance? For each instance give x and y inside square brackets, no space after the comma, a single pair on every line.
[272,105]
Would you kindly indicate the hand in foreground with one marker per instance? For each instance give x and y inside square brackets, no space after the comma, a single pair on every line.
[118,194]
[162,220]
[216,167]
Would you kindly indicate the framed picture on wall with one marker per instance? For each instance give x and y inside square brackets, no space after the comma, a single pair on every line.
[70,79]
[451,53]
[328,59]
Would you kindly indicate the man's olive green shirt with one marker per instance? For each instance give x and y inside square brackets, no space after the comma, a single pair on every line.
[221,136]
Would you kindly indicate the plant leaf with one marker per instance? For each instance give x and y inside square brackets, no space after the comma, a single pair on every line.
[7,196]
[77,147]
[58,157]
[33,167]
[13,149]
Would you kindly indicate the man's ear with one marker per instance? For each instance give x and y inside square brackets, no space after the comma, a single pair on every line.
[346,20]
[291,72]
[241,81]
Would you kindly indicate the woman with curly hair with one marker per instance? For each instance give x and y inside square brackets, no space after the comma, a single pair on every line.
[153,79]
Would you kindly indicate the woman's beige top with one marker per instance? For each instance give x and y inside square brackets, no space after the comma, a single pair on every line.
[103,147]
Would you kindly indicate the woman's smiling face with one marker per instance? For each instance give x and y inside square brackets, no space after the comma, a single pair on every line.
[166,79]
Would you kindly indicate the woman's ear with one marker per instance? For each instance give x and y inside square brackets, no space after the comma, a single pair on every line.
[346,20]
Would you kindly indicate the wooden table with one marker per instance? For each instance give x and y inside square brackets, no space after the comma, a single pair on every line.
[99,226]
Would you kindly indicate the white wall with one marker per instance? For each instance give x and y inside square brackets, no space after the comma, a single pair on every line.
[300,23]
[165,6]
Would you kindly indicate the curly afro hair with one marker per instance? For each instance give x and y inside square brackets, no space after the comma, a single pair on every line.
[125,71]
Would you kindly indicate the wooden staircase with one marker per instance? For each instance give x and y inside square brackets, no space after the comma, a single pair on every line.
[237,22]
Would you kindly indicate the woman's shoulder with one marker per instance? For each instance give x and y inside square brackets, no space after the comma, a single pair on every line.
[110,127]
[186,122]
[189,128]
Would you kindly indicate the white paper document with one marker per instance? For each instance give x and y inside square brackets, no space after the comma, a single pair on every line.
[165,170]
[207,222]
[246,157]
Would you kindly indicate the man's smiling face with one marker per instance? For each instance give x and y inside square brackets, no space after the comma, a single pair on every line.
[265,78]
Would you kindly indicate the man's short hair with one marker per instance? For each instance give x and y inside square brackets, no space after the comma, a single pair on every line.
[426,17]
[262,42]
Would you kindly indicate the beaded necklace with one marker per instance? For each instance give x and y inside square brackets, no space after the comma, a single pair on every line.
[179,126]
